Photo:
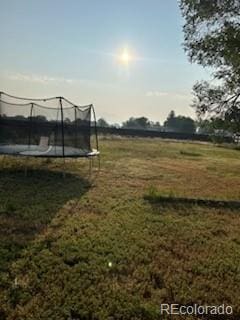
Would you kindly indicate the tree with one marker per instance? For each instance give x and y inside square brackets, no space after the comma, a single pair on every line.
[102,123]
[212,125]
[115,125]
[212,38]
[205,126]
[39,118]
[171,115]
[67,120]
[155,126]
[136,123]
[179,123]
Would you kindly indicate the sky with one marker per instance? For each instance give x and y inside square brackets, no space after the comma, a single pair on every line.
[72,48]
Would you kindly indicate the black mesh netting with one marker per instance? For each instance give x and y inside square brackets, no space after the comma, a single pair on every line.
[52,127]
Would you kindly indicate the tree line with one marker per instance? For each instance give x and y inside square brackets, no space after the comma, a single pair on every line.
[173,123]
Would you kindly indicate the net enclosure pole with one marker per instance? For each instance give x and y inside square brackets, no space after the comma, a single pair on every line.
[3,157]
[30,127]
[62,127]
[29,137]
[1,103]
[96,134]
[75,121]
[63,144]
[95,125]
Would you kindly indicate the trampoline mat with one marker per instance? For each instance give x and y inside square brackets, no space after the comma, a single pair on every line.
[50,151]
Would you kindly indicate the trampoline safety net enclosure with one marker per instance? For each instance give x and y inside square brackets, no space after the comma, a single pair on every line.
[52,127]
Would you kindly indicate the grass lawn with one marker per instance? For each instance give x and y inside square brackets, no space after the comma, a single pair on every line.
[70,250]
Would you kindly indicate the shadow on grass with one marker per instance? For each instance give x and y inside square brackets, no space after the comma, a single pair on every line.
[176,201]
[190,154]
[27,205]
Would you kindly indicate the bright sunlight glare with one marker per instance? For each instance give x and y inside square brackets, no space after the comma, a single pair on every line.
[125,57]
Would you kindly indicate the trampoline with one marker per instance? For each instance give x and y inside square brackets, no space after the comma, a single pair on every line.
[51,127]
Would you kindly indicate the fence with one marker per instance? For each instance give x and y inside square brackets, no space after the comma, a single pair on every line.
[163,135]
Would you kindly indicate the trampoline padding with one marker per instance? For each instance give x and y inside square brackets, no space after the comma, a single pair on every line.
[50,151]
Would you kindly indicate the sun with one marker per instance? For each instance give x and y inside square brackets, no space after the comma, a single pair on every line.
[125,57]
